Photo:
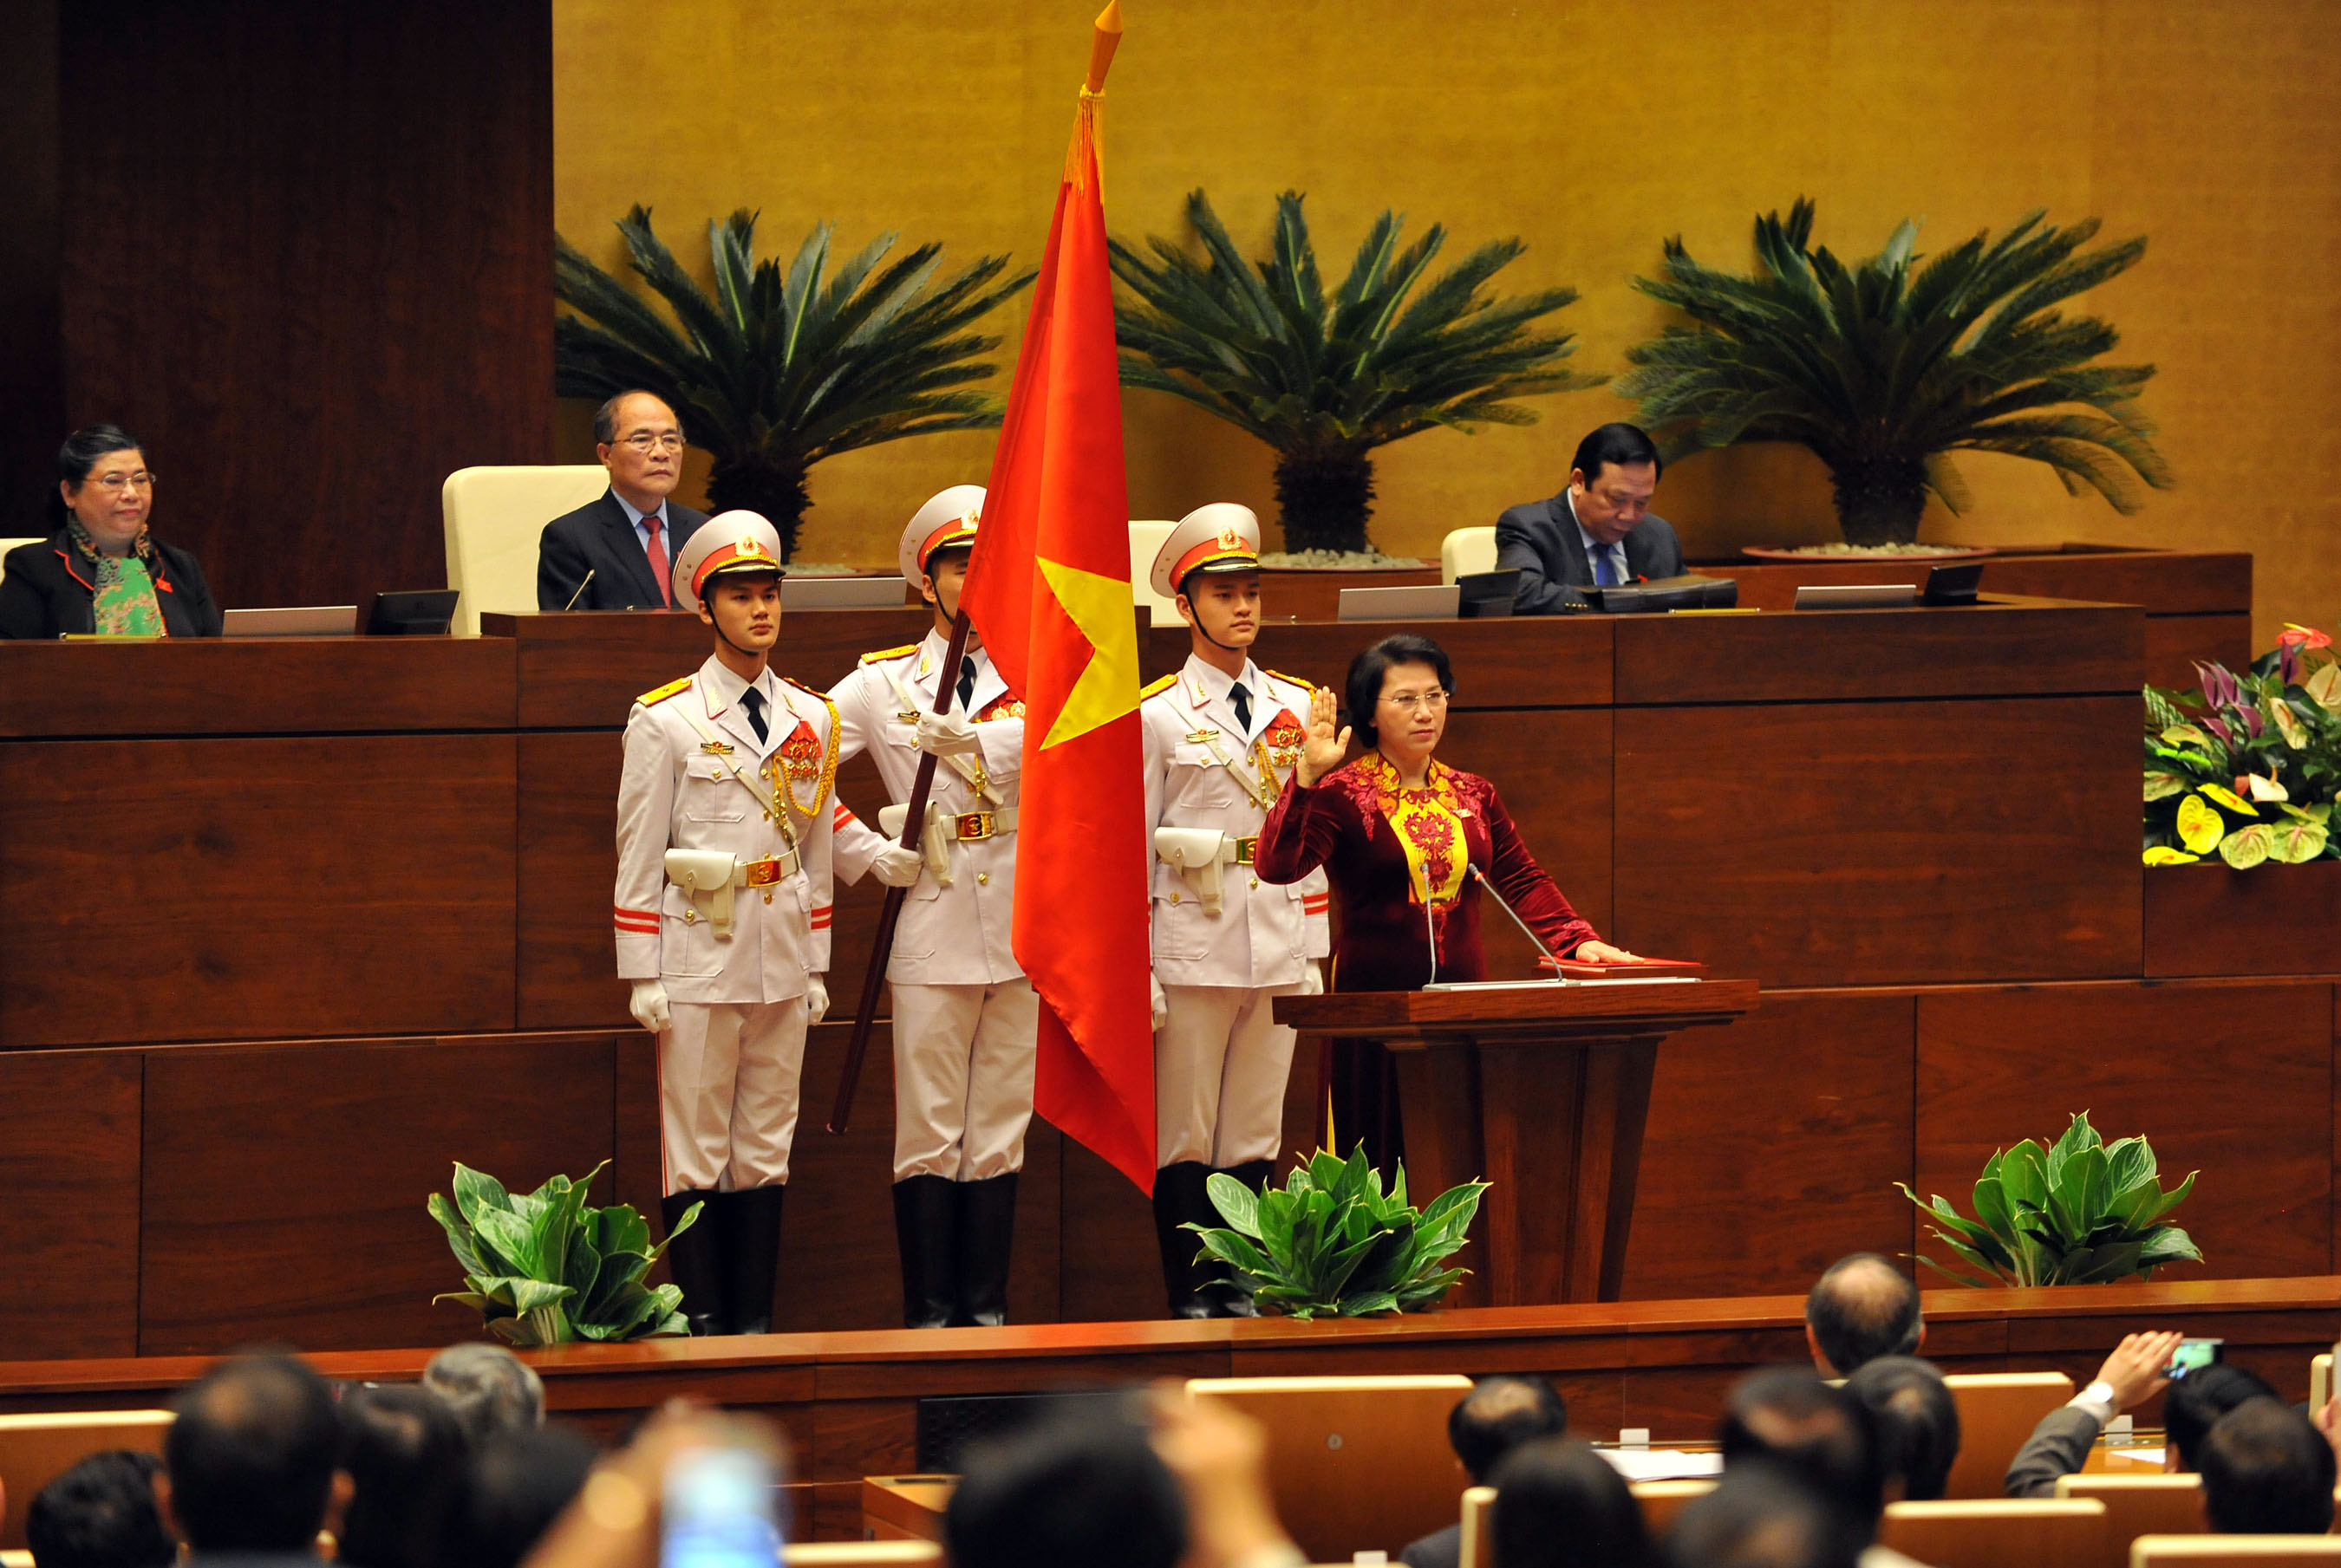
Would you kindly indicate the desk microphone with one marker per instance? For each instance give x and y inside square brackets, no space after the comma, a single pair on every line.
[1523,925]
[580,590]
[1430,931]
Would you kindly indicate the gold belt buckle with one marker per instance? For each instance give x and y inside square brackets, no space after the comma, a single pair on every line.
[763,873]
[1247,850]
[972,825]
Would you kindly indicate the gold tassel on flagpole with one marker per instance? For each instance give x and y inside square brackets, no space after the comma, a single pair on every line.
[1088,149]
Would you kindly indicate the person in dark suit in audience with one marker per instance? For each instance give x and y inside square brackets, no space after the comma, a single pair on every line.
[1499,1415]
[251,1465]
[102,572]
[1861,1307]
[2132,1374]
[2266,1471]
[1559,1504]
[1596,532]
[618,552]
[1917,1424]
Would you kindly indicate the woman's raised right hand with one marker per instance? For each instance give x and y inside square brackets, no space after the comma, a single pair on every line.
[1326,746]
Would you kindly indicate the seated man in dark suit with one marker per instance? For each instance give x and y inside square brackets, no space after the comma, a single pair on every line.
[1498,1417]
[1598,532]
[628,540]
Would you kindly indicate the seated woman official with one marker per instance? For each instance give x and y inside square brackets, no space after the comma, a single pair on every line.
[1398,833]
[102,571]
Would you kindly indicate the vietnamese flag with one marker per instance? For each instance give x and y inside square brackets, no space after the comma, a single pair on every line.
[1049,587]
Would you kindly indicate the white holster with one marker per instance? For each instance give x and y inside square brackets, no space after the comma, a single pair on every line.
[707,875]
[1198,853]
[935,839]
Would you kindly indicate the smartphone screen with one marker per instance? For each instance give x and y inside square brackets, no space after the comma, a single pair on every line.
[2192,1356]
[720,1511]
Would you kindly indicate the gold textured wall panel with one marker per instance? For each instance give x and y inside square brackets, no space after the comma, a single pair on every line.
[1592,130]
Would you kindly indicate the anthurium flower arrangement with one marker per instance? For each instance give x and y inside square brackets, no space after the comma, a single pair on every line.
[2247,768]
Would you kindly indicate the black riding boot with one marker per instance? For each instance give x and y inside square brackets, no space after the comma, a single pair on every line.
[753,1256]
[1179,1197]
[925,1216]
[1228,1300]
[987,1227]
[694,1260]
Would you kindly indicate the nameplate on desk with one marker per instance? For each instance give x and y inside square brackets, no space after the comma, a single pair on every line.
[1431,601]
[1855,595]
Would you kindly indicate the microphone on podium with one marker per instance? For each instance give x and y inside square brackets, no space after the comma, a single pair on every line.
[1559,979]
[581,590]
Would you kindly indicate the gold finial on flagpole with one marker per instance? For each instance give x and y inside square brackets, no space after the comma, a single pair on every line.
[1102,43]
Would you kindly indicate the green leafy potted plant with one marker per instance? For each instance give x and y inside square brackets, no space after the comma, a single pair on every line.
[1324,379]
[546,1269]
[1886,366]
[2249,767]
[777,371]
[2081,1213]
[1330,1242]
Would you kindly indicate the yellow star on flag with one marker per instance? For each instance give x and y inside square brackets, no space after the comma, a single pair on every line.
[1108,686]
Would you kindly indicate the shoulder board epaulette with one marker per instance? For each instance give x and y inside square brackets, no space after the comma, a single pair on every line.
[1165,684]
[1294,679]
[653,698]
[817,696]
[883,654]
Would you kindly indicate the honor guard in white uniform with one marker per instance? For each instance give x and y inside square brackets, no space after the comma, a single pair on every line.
[964,1015]
[1222,736]
[726,822]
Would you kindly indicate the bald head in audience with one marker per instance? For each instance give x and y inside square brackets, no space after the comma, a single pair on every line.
[1862,1308]
[251,1464]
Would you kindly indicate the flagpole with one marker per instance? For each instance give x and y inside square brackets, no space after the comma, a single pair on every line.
[914,821]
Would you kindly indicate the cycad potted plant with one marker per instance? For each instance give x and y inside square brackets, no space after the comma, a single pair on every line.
[776,370]
[1886,366]
[1324,379]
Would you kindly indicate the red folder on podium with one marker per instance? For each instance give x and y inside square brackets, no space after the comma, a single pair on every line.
[1576,970]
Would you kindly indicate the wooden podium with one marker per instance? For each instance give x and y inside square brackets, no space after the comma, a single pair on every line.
[1542,1090]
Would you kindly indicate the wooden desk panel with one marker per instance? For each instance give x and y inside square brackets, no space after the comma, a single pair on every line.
[255,888]
[254,686]
[2024,648]
[69,1224]
[1554,768]
[283,1186]
[2233,1080]
[2160,581]
[1882,843]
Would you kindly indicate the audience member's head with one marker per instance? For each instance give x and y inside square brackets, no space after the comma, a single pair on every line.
[1760,1515]
[404,1457]
[1861,1307]
[2266,1471]
[1081,1487]
[1917,1424]
[2194,1402]
[1786,1416]
[487,1387]
[101,1514]
[1497,1417]
[1558,1505]
[517,1484]
[250,1462]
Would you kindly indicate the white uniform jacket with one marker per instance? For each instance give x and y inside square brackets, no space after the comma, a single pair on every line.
[696,777]
[948,936]
[1263,934]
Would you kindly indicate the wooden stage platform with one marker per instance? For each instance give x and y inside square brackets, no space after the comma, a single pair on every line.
[344,926]
[850,1401]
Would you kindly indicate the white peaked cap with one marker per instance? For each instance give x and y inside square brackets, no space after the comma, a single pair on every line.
[1219,537]
[950,518]
[727,541]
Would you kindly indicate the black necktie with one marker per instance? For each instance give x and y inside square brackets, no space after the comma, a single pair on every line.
[754,701]
[966,682]
[1242,697]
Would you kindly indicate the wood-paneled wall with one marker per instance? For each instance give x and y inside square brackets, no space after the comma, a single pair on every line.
[301,250]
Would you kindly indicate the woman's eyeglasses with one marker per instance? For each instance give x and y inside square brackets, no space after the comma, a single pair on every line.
[1429,701]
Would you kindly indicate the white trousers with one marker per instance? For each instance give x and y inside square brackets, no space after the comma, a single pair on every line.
[963,1060]
[1219,1066]
[728,1081]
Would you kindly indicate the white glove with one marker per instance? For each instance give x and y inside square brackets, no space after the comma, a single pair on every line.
[816,998]
[1158,1001]
[896,866]
[947,735]
[1312,978]
[648,1004]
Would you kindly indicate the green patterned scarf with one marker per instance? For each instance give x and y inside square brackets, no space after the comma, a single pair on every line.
[124,605]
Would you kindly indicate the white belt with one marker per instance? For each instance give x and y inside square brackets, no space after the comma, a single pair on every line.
[712,875]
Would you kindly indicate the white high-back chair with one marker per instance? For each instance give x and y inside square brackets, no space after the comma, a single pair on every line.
[1465,551]
[1145,540]
[8,544]
[494,518]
